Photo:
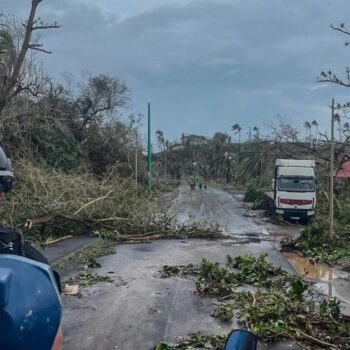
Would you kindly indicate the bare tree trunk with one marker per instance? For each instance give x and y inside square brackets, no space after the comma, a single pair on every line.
[11,83]
[9,89]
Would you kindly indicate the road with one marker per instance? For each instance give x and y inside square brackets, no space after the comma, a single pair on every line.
[140,309]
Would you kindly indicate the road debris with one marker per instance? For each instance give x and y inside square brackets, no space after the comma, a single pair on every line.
[58,240]
[71,289]
[214,342]
[94,251]
[273,304]
[181,270]
[85,279]
[152,310]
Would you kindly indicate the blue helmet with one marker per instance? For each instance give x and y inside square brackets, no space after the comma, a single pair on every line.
[30,304]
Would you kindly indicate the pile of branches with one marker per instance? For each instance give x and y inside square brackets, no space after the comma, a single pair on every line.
[278,305]
[46,202]
[216,342]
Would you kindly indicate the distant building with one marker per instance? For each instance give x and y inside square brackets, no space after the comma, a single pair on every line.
[344,171]
[194,140]
[176,146]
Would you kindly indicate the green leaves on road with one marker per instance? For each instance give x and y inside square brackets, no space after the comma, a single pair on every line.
[196,342]
[270,302]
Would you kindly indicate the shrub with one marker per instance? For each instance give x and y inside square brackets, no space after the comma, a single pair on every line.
[254,194]
[57,148]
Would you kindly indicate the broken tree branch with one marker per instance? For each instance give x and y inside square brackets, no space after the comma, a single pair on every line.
[59,239]
[48,26]
[340,29]
[51,217]
[38,47]
[316,341]
[94,201]
[6,91]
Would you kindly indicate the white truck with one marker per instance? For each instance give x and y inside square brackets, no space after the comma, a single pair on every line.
[294,188]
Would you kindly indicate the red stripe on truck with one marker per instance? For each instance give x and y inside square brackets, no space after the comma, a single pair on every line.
[296,201]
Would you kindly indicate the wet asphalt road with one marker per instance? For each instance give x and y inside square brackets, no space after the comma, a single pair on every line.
[140,309]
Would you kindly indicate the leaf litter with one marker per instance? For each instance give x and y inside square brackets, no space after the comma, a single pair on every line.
[277,306]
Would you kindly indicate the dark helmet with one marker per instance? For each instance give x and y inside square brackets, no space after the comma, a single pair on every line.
[6,173]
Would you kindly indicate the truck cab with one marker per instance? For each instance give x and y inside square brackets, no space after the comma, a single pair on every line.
[294,187]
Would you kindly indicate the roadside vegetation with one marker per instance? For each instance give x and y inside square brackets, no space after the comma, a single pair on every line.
[314,241]
[270,302]
[254,192]
[74,150]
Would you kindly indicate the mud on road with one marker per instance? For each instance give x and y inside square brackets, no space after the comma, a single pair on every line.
[140,309]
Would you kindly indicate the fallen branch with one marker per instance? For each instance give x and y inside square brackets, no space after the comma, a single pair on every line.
[316,341]
[94,201]
[52,217]
[295,341]
[59,239]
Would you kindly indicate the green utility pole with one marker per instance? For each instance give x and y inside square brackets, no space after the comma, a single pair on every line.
[136,160]
[331,179]
[149,157]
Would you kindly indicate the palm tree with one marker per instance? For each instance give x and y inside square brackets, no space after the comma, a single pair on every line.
[307,126]
[257,133]
[337,119]
[161,142]
[237,129]
[315,124]
[346,129]
[160,137]
[254,164]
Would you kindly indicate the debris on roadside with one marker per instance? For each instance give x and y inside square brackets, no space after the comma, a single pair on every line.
[152,310]
[78,264]
[71,289]
[181,270]
[272,303]
[54,241]
[92,262]
[87,257]
[213,342]
[94,251]
[103,212]
[171,231]
[84,279]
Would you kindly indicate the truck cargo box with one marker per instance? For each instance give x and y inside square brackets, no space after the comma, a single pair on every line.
[295,163]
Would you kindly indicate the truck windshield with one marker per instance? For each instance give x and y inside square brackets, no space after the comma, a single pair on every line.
[296,184]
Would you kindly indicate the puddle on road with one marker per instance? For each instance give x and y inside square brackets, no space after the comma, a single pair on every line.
[306,268]
[327,281]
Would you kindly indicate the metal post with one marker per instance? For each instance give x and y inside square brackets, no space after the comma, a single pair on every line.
[149,157]
[331,179]
[136,163]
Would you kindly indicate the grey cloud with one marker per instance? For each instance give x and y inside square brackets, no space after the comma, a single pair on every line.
[204,64]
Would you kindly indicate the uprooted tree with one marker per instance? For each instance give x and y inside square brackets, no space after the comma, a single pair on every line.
[70,151]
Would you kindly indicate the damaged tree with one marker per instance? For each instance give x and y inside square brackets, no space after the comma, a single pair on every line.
[12,59]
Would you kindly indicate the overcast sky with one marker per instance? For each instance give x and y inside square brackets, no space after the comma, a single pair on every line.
[204,65]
